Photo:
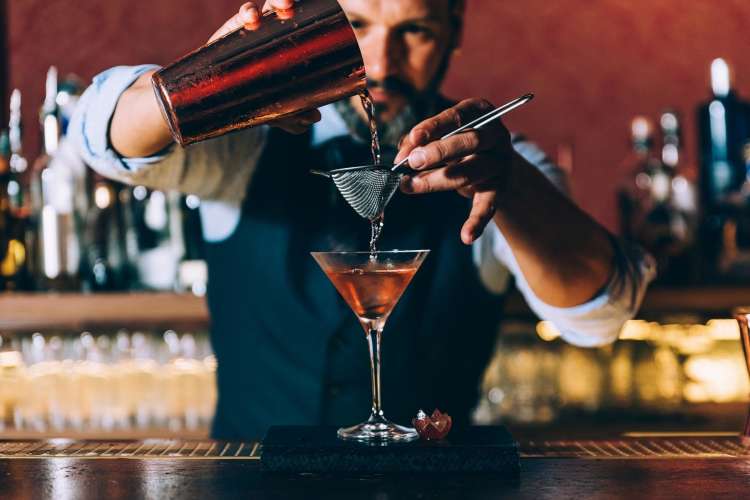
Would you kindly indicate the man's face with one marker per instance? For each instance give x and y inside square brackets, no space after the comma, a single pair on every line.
[404,44]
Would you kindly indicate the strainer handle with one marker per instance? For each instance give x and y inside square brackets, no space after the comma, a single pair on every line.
[402,168]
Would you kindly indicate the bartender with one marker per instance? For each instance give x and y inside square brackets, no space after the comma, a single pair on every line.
[488,204]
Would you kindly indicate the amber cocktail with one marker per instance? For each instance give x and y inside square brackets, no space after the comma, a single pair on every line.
[372,284]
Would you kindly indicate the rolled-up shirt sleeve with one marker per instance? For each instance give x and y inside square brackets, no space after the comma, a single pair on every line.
[596,322]
[217,169]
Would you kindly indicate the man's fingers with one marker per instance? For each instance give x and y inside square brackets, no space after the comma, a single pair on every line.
[248,16]
[482,211]
[473,170]
[459,146]
[441,124]
[278,5]
[284,8]
[450,119]
[409,142]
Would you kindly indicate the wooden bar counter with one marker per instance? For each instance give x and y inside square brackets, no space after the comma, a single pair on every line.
[707,466]
[695,453]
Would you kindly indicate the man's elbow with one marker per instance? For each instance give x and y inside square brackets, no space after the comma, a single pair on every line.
[604,327]
[594,336]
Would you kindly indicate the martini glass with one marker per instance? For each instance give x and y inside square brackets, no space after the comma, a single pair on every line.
[372,283]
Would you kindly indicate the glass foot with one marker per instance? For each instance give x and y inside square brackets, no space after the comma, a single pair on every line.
[378,431]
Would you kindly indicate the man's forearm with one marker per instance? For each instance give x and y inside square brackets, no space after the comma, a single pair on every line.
[565,256]
[138,128]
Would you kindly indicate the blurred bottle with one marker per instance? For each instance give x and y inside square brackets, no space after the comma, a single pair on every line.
[192,228]
[658,205]
[15,265]
[724,129]
[6,218]
[104,265]
[683,264]
[193,272]
[733,258]
[156,225]
[164,240]
[635,192]
[644,196]
[69,91]
[53,186]
[724,139]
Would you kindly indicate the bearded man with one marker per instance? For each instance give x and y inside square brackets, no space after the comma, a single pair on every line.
[488,205]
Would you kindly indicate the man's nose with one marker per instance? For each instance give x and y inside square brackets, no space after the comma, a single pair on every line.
[381,59]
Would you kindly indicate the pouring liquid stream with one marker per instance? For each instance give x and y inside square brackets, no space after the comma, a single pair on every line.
[369,107]
[376,224]
[376,228]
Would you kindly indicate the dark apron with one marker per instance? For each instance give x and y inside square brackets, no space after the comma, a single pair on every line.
[289,349]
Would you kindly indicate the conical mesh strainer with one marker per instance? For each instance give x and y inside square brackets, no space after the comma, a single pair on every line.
[369,188]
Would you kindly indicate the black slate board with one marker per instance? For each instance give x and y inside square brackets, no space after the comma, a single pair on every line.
[480,449]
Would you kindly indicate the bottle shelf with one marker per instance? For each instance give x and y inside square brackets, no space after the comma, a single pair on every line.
[23,312]
[78,312]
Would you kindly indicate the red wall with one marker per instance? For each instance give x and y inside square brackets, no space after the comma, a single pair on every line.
[593,65]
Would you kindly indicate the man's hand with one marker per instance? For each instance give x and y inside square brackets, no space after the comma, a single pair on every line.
[250,17]
[476,163]
[565,256]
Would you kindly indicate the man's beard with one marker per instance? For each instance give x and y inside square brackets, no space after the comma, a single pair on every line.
[419,106]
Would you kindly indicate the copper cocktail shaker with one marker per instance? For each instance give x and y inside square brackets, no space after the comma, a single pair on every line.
[302,61]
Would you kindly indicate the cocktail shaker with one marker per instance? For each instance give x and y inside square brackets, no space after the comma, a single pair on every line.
[293,63]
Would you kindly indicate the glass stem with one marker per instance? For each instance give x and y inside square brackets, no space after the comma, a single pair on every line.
[373,342]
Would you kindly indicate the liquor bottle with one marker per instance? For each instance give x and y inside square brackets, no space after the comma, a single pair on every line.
[18,162]
[656,200]
[53,188]
[684,193]
[684,260]
[644,184]
[14,268]
[6,218]
[193,272]
[104,262]
[157,226]
[69,91]
[129,231]
[732,261]
[724,135]
[724,129]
